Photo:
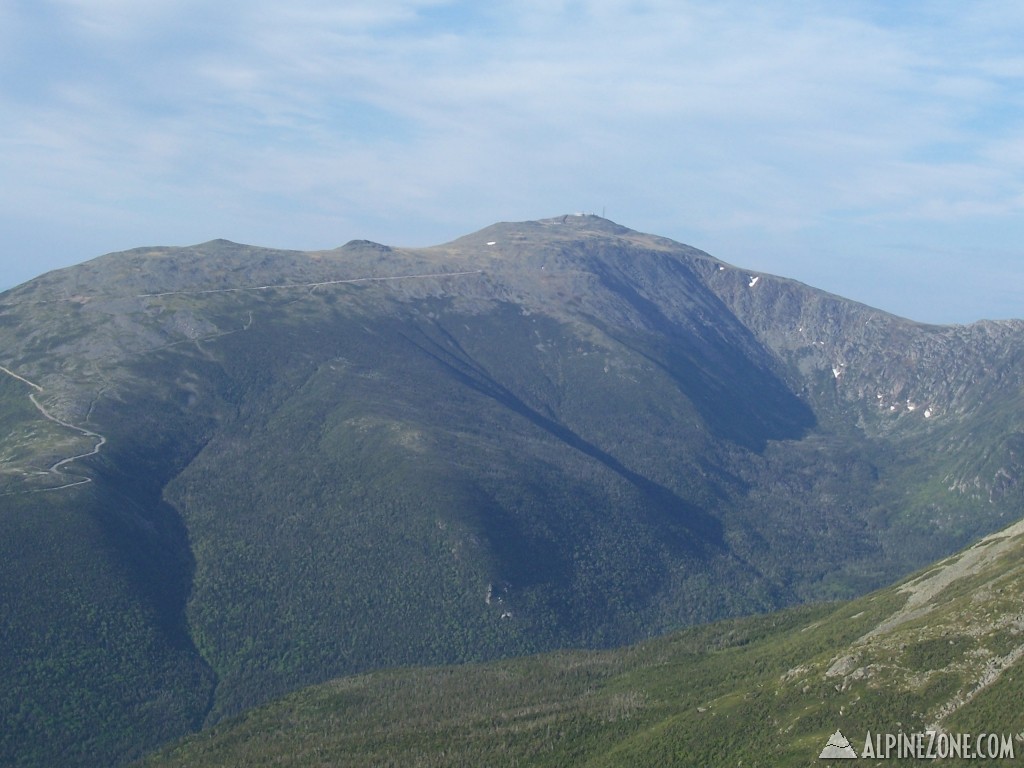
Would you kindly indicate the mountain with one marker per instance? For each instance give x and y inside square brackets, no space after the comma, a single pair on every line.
[228,472]
[938,652]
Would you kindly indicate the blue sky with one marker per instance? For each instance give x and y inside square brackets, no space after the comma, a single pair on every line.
[872,152]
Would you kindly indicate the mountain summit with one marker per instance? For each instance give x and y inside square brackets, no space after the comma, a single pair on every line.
[230,471]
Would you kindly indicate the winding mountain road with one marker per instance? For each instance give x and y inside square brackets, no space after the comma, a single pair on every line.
[58,467]
[311,286]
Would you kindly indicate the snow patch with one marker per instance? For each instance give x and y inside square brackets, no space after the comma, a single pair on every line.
[492,242]
[753,281]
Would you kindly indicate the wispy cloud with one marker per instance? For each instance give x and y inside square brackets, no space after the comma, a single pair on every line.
[307,123]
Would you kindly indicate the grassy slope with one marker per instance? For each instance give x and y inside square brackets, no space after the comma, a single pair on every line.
[761,691]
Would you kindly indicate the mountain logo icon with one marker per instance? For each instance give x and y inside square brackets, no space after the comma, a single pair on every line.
[838,747]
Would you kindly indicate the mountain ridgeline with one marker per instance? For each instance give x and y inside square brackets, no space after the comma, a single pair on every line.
[228,472]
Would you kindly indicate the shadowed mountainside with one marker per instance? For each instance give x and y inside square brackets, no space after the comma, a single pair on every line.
[290,466]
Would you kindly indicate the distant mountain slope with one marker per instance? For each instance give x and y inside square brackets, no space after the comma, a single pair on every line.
[227,471]
[941,652]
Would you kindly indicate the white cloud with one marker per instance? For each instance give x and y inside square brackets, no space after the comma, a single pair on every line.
[716,118]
